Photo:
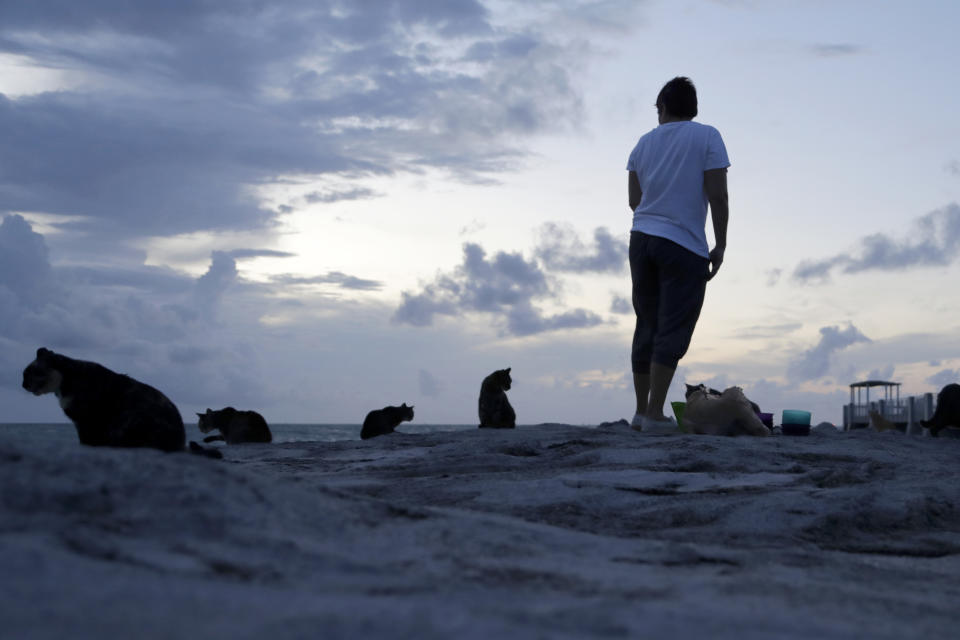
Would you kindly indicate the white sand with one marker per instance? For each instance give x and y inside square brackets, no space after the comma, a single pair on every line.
[549,531]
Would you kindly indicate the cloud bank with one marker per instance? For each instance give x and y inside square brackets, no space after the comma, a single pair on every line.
[186,108]
[815,362]
[560,249]
[506,287]
[933,240]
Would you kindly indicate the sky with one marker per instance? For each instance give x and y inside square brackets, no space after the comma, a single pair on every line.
[314,209]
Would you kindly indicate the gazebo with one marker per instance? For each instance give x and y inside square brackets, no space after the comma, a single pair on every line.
[857,413]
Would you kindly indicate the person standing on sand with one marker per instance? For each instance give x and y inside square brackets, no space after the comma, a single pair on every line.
[673,172]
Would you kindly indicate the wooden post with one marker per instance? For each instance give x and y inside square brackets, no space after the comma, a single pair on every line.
[911,402]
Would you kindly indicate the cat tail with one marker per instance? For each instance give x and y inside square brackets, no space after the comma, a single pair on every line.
[209,452]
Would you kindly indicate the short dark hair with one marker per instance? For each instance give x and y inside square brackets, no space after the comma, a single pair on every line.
[679,97]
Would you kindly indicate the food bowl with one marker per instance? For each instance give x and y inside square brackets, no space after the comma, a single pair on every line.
[797,417]
[789,429]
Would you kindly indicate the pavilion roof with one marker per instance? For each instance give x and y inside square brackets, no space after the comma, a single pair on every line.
[874,383]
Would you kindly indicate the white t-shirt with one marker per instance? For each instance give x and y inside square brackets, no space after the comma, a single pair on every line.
[669,162]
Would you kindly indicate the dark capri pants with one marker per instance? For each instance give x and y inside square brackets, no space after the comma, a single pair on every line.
[669,283]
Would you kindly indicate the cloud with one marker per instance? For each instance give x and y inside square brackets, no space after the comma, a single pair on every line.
[621,305]
[561,249]
[24,262]
[767,331]
[332,277]
[836,50]
[505,287]
[934,240]
[885,373]
[773,276]
[953,167]
[326,197]
[241,254]
[188,108]
[221,274]
[944,377]
[815,362]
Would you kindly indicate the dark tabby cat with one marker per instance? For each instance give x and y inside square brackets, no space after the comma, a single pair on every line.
[713,392]
[383,421]
[234,426]
[948,410]
[108,409]
[495,409]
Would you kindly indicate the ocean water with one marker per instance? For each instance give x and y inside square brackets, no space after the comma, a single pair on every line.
[281,432]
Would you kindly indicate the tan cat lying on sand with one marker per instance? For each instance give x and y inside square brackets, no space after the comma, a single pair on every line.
[727,414]
[880,423]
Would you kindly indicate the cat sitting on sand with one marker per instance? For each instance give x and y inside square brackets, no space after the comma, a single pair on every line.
[234,426]
[494,408]
[109,409]
[948,410]
[726,414]
[383,421]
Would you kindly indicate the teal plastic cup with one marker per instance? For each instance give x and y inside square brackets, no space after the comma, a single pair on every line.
[794,416]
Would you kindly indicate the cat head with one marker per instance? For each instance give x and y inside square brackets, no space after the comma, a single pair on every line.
[691,389]
[503,379]
[211,420]
[42,375]
[406,413]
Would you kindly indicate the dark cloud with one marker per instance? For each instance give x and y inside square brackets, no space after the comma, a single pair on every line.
[194,103]
[505,286]
[815,362]
[333,277]
[241,254]
[561,249]
[835,50]
[944,377]
[336,196]
[934,240]
[24,262]
[221,274]
[622,305]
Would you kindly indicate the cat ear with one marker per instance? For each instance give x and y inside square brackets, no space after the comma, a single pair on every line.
[508,369]
[403,406]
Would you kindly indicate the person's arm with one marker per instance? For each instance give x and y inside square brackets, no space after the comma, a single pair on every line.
[633,190]
[715,184]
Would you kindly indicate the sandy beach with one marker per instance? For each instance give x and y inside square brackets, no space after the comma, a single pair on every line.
[543,532]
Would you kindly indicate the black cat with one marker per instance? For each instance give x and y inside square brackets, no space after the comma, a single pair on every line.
[109,409]
[234,426]
[494,407]
[948,410]
[383,421]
